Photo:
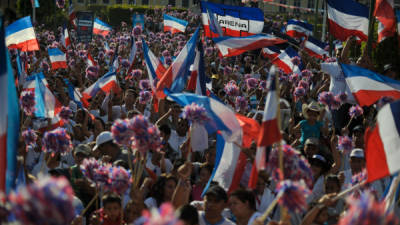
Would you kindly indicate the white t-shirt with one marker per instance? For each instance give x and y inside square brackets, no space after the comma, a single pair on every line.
[175,141]
[262,202]
[202,220]
[338,83]
[157,169]
[318,190]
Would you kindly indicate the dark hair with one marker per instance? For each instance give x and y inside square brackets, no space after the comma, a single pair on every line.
[111,198]
[207,166]
[188,214]
[157,190]
[165,129]
[245,196]
[333,178]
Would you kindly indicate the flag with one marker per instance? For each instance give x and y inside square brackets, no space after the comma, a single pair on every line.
[269,131]
[21,70]
[298,29]
[368,87]
[72,14]
[230,163]
[9,119]
[398,25]
[138,19]
[174,25]
[132,54]
[75,95]
[382,143]
[271,52]
[35,3]
[65,40]
[234,20]
[106,83]
[197,82]
[90,61]
[348,18]
[175,77]
[154,66]
[232,46]
[58,58]
[47,106]
[284,61]
[101,28]
[316,48]
[213,23]
[250,128]
[21,35]
[222,118]
[384,12]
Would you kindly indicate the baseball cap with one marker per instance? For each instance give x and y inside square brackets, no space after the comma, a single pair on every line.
[82,148]
[357,153]
[312,141]
[319,158]
[217,192]
[103,137]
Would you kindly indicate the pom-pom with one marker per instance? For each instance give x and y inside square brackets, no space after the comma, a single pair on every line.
[292,195]
[251,83]
[241,103]
[299,91]
[295,165]
[345,144]
[144,97]
[89,168]
[227,70]
[304,84]
[355,111]
[48,201]
[65,113]
[163,216]
[359,177]
[57,141]
[366,209]
[137,73]
[306,73]
[342,97]
[137,30]
[92,72]
[119,180]
[27,102]
[327,98]
[146,135]
[231,89]
[165,53]
[121,132]
[195,113]
[144,84]
[296,60]
[330,60]
[30,138]
[294,78]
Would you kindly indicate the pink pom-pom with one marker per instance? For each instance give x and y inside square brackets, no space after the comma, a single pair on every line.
[241,103]
[195,113]
[30,138]
[327,98]
[144,97]
[359,177]
[121,132]
[144,84]
[366,209]
[296,60]
[306,73]
[48,200]
[299,91]
[251,83]
[345,144]
[65,114]
[137,73]
[231,89]
[89,168]
[355,111]
[119,180]
[295,165]
[164,216]
[342,97]
[146,135]
[292,195]
[27,102]
[57,141]
[165,53]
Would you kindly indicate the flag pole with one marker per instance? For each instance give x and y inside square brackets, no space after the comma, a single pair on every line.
[316,18]
[324,22]
[371,27]
[33,13]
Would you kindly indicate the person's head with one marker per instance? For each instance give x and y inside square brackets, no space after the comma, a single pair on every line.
[260,186]
[164,187]
[389,71]
[318,165]
[78,132]
[311,147]
[182,127]
[112,206]
[165,132]
[81,152]
[358,136]
[98,126]
[188,215]
[205,173]
[210,153]
[106,145]
[215,200]
[332,184]
[133,210]
[357,160]
[80,116]
[311,111]
[241,202]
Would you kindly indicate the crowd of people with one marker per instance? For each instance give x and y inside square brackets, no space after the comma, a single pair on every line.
[330,140]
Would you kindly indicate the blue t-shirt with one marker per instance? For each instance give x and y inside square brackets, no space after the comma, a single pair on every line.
[308,131]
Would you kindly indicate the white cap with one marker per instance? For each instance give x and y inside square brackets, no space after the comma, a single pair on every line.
[357,153]
[103,137]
